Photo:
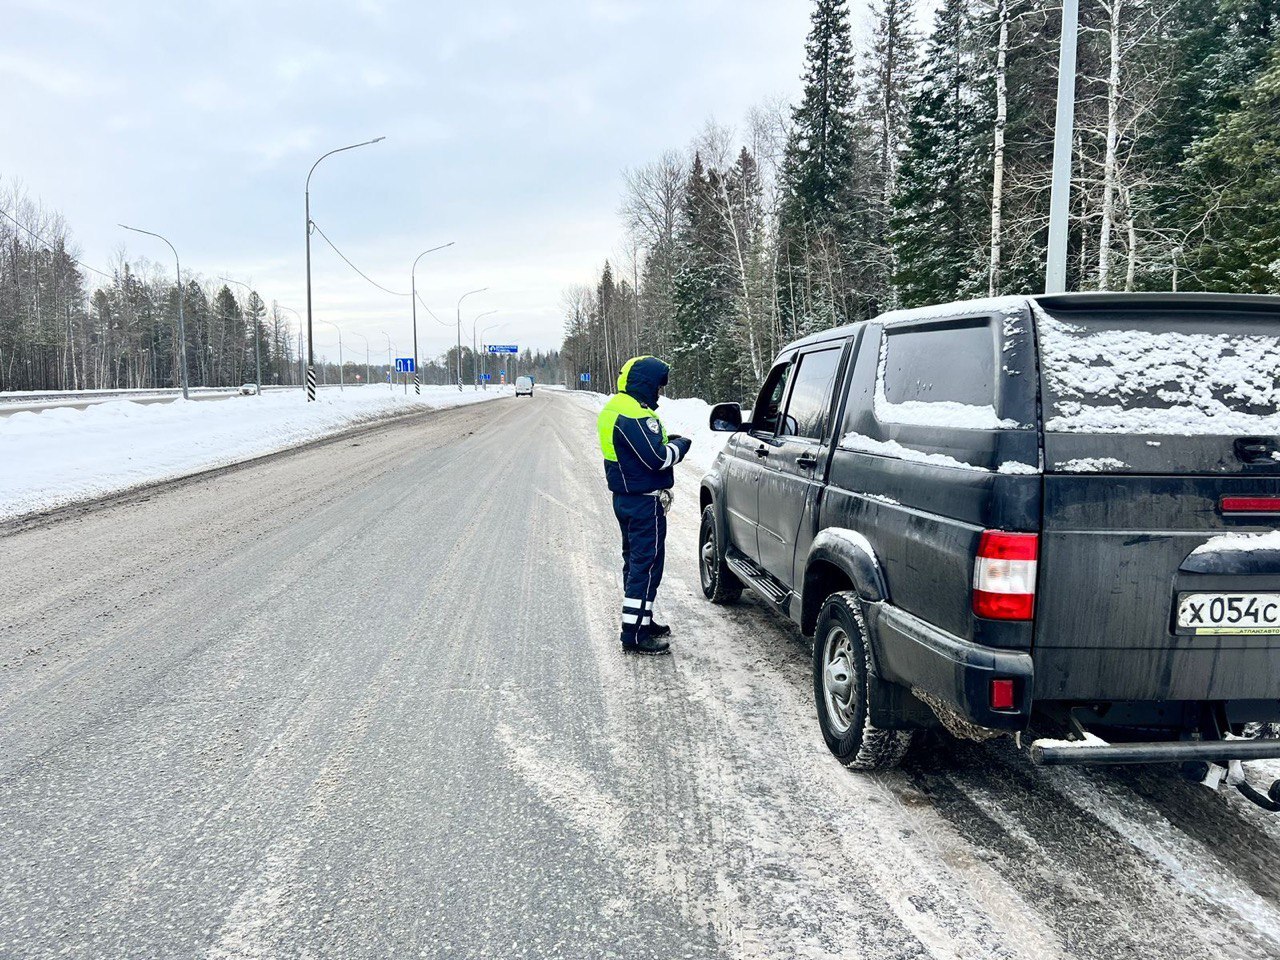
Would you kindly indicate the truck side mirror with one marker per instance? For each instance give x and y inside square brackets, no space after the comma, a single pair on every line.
[726,417]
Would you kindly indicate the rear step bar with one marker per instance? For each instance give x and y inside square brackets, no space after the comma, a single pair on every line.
[1061,753]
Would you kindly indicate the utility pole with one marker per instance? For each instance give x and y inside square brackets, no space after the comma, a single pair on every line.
[1055,274]
[182,323]
[459,315]
[390,386]
[311,363]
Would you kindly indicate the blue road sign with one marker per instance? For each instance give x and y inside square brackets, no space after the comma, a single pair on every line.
[405,365]
[486,376]
[584,377]
[502,348]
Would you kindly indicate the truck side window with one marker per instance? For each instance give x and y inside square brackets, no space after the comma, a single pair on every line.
[764,418]
[953,362]
[810,401]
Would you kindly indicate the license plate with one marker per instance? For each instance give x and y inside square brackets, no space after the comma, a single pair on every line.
[1210,614]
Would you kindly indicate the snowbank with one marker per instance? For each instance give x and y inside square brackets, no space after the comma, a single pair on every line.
[61,456]
[688,417]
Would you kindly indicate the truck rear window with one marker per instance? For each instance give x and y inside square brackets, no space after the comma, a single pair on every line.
[1176,375]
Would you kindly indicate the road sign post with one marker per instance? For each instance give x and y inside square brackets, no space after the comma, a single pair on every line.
[406,365]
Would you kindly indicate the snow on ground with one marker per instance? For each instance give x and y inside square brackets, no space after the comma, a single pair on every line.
[62,456]
[687,416]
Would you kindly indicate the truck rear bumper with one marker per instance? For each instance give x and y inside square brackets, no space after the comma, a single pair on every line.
[911,652]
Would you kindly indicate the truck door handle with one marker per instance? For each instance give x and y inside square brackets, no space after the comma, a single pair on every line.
[762,451]
[806,460]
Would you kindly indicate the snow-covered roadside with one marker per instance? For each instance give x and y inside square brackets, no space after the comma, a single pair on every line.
[62,456]
[689,417]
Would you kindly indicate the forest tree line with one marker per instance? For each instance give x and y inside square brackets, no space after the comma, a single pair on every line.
[65,325]
[917,170]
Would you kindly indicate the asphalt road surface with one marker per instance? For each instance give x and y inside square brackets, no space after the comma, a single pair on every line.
[365,700]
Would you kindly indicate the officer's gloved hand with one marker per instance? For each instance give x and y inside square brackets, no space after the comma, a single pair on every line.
[681,443]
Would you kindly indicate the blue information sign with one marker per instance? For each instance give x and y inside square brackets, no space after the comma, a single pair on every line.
[486,376]
[405,365]
[502,348]
[584,377]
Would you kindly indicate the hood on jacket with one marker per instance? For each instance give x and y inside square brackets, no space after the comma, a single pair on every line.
[642,378]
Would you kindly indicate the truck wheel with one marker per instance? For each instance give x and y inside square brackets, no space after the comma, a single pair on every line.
[841,666]
[719,585]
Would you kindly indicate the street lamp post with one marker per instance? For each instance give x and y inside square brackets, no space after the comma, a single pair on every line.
[474,344]
[413,298]
[460,299]
[341,370]
[301,378]
[182,323]
[390,385]
[311,364]
[257,345]
[366,354]
[1055,274]
[484,357]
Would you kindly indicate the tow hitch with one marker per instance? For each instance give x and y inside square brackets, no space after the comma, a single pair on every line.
[1213,775]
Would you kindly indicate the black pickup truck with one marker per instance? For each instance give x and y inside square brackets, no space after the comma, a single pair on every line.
[1059,507]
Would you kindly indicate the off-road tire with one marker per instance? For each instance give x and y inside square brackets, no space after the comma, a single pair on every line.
[719,585]
[840,639]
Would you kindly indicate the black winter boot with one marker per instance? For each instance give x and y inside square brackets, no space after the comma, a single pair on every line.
[646,644]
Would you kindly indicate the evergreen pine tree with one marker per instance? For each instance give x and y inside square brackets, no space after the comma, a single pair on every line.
[888,75]
[941,218]
[703,294]
[818,220]
[1239,170]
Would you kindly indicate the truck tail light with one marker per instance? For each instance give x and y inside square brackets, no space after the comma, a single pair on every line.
[1004,575]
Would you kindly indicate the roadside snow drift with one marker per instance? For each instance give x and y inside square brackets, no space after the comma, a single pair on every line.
[688,417]
[61,456]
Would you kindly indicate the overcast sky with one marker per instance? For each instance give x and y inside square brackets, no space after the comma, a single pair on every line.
[508,127]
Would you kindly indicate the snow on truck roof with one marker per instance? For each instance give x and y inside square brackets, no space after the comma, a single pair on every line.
[987,306]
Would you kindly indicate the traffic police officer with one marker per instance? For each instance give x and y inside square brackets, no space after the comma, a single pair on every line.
[638,461]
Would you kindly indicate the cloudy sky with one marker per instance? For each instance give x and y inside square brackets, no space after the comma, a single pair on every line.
[507,126]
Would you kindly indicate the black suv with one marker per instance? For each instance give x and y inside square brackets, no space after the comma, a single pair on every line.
[1060,504]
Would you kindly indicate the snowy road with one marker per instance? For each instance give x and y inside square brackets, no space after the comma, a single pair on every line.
[364,700]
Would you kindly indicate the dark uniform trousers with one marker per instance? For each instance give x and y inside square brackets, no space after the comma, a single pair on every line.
[644,536]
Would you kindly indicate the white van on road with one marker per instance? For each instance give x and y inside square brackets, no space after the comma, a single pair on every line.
[524,385]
